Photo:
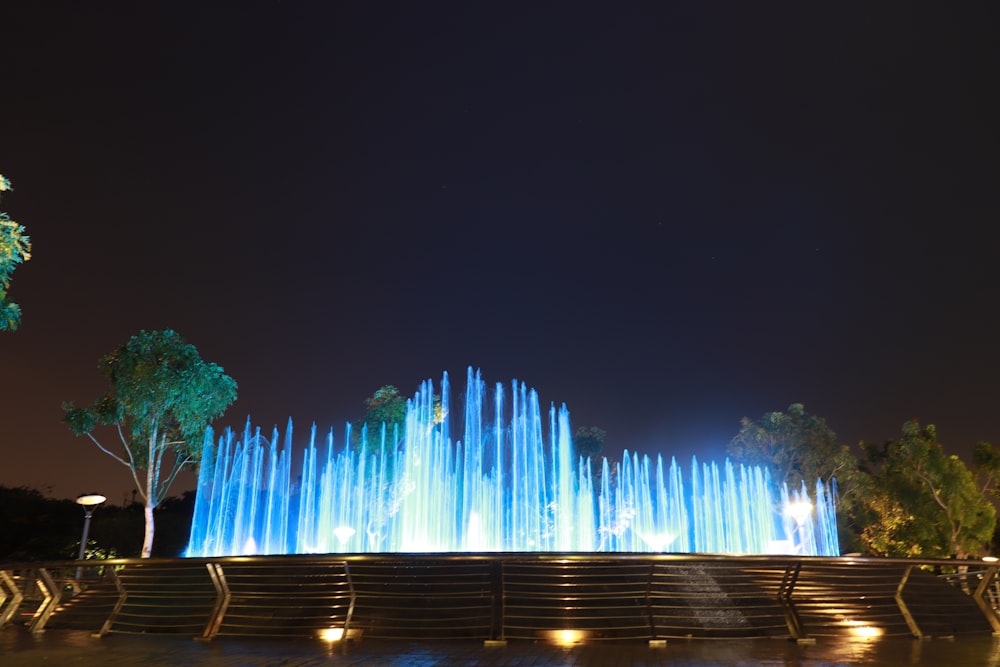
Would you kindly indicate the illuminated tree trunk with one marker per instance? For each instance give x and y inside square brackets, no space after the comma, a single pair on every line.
[147,540]
[149,500]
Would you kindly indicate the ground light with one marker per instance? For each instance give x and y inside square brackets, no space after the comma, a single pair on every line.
[566,637]
[799,510]
[332,634]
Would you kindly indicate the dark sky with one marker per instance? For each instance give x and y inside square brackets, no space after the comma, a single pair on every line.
[668,216]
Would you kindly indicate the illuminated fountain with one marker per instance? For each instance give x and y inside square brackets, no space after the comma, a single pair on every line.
[511,483]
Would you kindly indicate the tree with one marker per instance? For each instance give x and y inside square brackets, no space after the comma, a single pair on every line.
[797,446]
[986,466]
[589,442]
[386,406]
[161,398]
[921,501]
[15,249]
[33,527]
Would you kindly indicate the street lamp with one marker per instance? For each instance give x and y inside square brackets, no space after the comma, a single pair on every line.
[89,502]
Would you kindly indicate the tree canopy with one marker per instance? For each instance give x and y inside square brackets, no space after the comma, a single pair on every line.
[15,249]
[161,398]
[795,445]
[922,502]
[386,406]
[589,442]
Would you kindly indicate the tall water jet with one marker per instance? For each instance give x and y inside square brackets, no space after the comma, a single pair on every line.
[511,483]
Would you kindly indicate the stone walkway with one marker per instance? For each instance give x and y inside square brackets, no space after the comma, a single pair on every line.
[64,648]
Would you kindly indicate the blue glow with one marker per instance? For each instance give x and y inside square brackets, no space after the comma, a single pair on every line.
[502,487]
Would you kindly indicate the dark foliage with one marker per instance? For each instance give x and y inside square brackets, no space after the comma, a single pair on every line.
[36,528]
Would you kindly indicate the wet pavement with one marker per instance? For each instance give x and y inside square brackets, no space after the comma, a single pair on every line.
[68,648]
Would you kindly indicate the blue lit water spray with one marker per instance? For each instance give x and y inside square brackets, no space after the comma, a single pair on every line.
[510,483]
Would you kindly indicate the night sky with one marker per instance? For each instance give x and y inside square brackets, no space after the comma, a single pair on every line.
[668,216]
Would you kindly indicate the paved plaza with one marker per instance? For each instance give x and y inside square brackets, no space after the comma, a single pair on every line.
[64,648]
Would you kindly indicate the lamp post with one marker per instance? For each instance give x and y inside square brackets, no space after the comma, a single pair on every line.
[89,502]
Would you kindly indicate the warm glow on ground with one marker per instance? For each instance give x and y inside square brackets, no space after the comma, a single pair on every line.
[566,637]
[332,634]
[862,630]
